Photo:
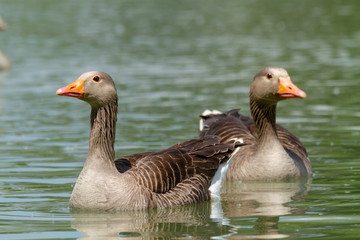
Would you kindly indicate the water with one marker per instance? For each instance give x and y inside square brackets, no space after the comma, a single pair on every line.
[171,60]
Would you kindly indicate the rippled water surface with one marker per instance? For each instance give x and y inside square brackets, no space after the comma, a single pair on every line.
[170,61]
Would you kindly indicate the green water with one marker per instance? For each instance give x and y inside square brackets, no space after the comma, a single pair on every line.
[171,60]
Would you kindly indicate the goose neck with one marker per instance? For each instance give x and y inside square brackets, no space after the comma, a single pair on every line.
[264,116]
[102,136]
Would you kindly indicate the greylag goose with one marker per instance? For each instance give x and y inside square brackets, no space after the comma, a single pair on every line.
[180,175]
[3,25]
[270,151]
[4,61]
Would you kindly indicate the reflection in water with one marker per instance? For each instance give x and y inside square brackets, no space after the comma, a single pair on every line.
[266,200]
[149,224]
[263,198]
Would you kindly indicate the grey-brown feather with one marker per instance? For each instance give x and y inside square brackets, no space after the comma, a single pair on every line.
[164,170]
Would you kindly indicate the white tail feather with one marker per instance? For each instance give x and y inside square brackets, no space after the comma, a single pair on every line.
[206,113]
[209,112]
[217,181]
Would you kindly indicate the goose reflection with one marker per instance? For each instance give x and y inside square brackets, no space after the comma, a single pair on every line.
[241,199]
[266,201]
[148,224]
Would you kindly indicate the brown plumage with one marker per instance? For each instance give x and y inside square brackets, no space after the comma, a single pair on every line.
[270,151]
[179,175]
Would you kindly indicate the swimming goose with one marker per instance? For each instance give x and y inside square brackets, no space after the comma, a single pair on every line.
[179,175]
[270,151]
[4,61]
[3,25]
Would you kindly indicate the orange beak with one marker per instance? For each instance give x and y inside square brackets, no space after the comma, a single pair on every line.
[288,90]
[75,89]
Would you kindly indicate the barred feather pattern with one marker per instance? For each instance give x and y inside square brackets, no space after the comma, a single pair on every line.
[227,126]
[264,116]
[103,128]
[162,172]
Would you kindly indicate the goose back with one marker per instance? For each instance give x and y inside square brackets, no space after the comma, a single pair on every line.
[164,170]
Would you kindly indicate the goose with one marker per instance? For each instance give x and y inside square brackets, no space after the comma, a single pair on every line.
[4,61]
[186,173]
[3,24]
[269,151]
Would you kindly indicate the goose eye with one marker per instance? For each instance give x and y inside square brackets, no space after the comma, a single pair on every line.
[269,76]
[96,78]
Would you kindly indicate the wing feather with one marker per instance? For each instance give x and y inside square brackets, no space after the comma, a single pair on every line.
[172,169]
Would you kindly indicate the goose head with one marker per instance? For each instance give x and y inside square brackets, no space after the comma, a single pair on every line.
[95,87]
[271,85]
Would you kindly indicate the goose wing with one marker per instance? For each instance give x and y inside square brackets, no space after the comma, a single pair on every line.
[127,162]
[228,126]
[164,170]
